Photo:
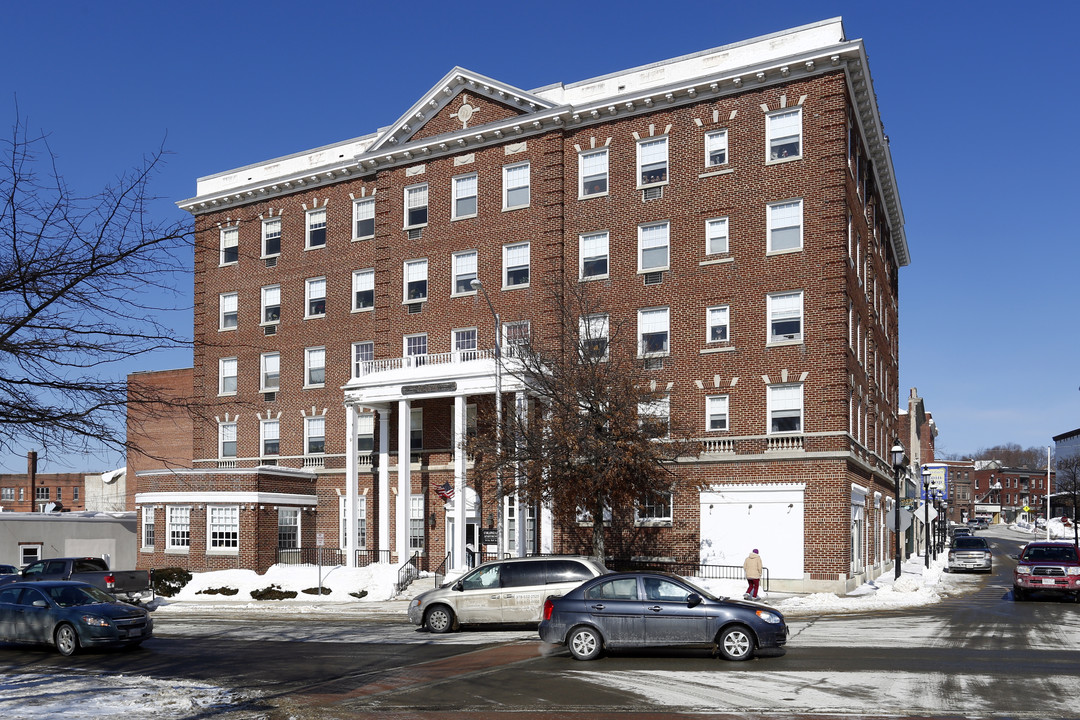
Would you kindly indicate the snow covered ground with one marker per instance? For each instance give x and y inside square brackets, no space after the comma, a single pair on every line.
[32,695]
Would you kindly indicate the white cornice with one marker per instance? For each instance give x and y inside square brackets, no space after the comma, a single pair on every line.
[224,498]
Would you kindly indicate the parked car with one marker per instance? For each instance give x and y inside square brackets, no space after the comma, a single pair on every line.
[970,553]
[509,591]
[8,570]
[655,609]
[132,585]
[69,615]
[960,531]
[1048,567]
[982,524]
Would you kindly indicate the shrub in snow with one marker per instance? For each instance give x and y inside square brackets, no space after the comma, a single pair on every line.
[358,595]
[274,592]
[315,591]
[218,591]
[169,581]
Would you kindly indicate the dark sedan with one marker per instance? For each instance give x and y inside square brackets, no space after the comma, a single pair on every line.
[8,570]
[653,609]
[69,615]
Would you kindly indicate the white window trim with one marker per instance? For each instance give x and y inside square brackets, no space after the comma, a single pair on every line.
[667,521]
[405,344]
[405,300]
[357,273]
[454,274]
[581,256]
[210,549]
[308,298]
[506,268]
[639,185]
[221,439]
[769,409]
[262,305]
[169,546]
[599,323]
[308,435]
[291,512]
[709,326]
[405,205]
[361,521]
[727,148]
[263,388]
[263,438]
[308,228]
[221,311]
[708,413]
[308,367]
[354,348]
[727,236]
[357,203]
[640,336]
[769,160]
[147,512]
[221,376]
[641,250]
[769,342]
[582,195]
[234,231]
[262,237]
[769,226]
[454,196]
[506,188]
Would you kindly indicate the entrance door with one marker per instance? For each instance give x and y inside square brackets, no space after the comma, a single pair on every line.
[472,549]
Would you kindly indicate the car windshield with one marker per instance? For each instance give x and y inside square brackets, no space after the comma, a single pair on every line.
[1050,554]
[970,543]
[73,595]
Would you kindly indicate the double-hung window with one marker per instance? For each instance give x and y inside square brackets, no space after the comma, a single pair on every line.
[785,223]
[653,246]
[654,417]
[363,218]
[223,532]
[271,304]
[785,311]
[363,285]
[593,332]
[416,429]
[652,161]
[415,280]
[365,432]
[271,237]
[716,236]
[593,251]
[465,344]
[270,372]
[717,324]
[416,348]
[148,526]
[178,519]
[464,197]
[654,332]
[593,173]
[227,440]
[316,228]
[464,268]
[227,376]
[288,528]
[516,186]
[416,205]
[416,522]
[655,510]
[315,435]
[785,408]
[515,334]
[516,265]
[270,437]
[361,521]
[315,367]
[362,352]
[716,412]
[227,311]
[783,132]
[230,245]
[716,148]
[315,292]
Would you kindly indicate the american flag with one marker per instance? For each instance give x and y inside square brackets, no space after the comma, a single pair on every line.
[445,491]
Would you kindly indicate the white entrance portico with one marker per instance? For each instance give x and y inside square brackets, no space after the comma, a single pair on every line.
[381,386]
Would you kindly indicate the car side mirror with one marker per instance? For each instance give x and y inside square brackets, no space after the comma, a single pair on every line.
[457,586]
[693,600]
[40,603]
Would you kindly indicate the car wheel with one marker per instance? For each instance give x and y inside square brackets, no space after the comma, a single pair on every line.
[585,643]
[736,643]
[439,619]
[66,639]
[1019,594]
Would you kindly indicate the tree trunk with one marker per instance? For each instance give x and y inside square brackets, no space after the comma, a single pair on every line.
[598,528]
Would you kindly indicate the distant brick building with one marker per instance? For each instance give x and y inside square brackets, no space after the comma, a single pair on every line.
[38,492]
[737,207]
[1002,493]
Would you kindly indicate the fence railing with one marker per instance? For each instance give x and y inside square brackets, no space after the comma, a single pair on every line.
[329,556]
[407,573]
[687,569]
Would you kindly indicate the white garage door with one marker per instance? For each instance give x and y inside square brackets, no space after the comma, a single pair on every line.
[735,520]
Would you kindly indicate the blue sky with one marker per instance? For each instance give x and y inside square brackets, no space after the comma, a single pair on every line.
[977,99]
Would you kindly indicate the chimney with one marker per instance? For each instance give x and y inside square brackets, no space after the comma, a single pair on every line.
[31,474]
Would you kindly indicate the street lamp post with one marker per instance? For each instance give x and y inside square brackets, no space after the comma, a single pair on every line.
[926,514]
[477,285]
[898,468]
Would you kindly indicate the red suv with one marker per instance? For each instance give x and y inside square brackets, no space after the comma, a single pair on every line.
[1052,567]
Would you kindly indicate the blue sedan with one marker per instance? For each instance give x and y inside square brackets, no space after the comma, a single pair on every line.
[69,615]
[653,609]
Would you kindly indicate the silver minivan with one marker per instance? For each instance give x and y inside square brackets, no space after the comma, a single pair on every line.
[510,591]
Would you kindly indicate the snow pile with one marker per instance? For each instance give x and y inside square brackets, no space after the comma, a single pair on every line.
[1059,528]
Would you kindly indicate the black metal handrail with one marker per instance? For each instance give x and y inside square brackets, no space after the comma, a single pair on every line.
[441,570]
[407,573]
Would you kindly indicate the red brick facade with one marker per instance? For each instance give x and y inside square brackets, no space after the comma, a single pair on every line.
[844,264]
[35,491]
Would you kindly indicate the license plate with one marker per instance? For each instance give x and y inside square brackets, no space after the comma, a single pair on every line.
[1048,581]
[134,632]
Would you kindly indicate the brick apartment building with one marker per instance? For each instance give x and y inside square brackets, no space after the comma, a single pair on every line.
[1001,493]
[39,492]
[737,207]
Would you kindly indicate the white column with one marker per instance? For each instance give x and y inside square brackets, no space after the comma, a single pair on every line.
[352,485]
[547,530]
[460,501]
[521,527]
[384,480]
[403,480]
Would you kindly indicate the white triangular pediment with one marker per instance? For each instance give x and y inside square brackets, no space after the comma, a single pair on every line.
[453,84]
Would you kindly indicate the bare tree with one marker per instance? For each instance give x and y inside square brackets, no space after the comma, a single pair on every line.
[1067,481]
[600,437]
[1013,456]
[86,283]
